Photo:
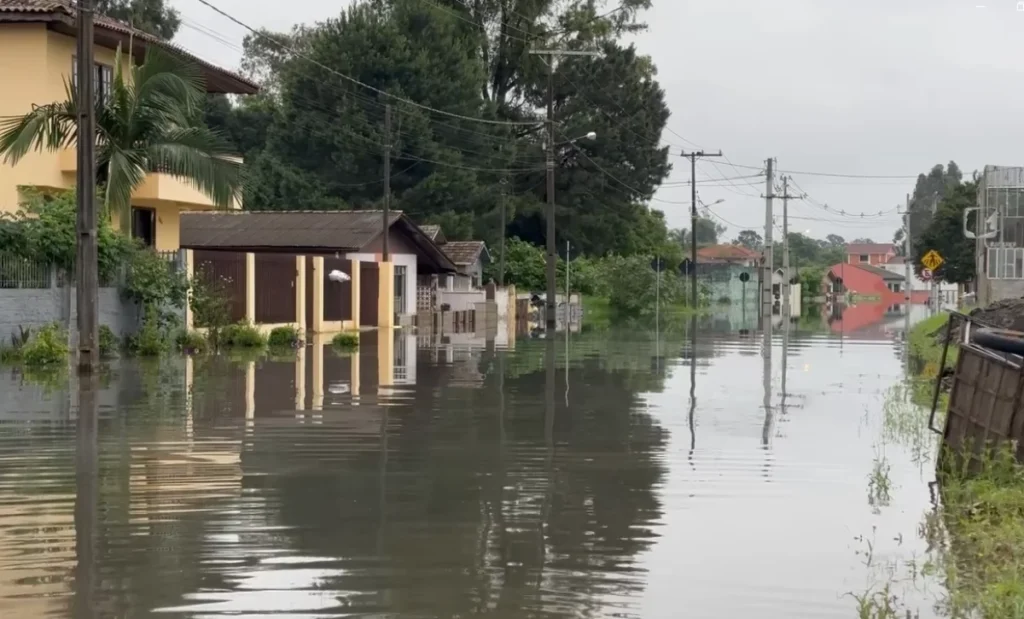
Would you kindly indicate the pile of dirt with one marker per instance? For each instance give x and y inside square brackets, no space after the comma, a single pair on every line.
[1005,314]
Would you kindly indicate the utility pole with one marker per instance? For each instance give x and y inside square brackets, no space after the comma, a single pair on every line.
[86,259]
[385,246]
[785,246]
[551,54]
[907,272]
[504,223]
[692,156]
[769,257]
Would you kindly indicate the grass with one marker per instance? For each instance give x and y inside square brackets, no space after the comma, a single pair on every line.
[984,560]
[242,335]
[925,347]
[284,337]
[348,340]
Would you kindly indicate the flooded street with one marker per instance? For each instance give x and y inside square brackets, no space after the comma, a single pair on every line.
[600,476]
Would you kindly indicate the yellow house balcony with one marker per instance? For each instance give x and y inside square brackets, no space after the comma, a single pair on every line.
[157,187]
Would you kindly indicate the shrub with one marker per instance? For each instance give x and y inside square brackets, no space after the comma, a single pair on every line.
[151,341]
[108,342]
[12,353]
[242,335]
[191,342]
[346,340]
[284,337]
[49,347]
[724,301]
[210,302]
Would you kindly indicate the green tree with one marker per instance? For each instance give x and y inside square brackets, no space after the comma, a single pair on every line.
[324,146]
[152,16]
[944,234]
[152,121]
[749,239]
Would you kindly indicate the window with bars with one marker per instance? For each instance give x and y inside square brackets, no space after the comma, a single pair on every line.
[104,76]
[1006,263]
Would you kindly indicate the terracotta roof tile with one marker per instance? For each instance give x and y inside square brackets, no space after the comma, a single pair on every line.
[870,248]
[464,252]
[64,11]
[727,252]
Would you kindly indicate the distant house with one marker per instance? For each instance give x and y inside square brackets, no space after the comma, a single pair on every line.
[947,291]
[728,254]
[434,233]
[865,280]
[875,254]
[469,258]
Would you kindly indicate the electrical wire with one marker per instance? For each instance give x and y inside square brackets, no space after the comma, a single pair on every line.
[357,82]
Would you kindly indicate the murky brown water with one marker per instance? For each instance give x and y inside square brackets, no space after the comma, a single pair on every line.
[461,480]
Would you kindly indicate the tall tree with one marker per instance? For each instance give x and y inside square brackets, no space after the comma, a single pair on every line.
[749,239]
[945,235]
[152,121]
[152,16]
[834,240]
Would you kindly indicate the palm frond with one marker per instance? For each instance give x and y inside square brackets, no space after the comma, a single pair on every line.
[200,157]
[127,170]
[46,127]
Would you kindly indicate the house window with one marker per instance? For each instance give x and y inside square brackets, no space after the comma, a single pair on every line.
[895,287]
[865,258]
[1006,263]
[144,225]
[400,276]
[104,77]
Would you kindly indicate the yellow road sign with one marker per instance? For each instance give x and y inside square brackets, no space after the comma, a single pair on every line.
[932,260]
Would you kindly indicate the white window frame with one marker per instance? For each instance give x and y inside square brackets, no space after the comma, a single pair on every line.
[1003,263]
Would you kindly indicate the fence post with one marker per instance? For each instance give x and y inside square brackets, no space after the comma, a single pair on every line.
[300,293]
[188,263]
[356,288]
[250,287]
[318,294]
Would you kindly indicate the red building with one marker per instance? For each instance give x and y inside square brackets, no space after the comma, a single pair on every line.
[875,254]
[864,280]
[728,254]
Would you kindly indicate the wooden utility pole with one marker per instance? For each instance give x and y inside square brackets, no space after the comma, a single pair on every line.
[86,259]
[385,246]
[552,256]
[693,156]
[769,256]
[785,246]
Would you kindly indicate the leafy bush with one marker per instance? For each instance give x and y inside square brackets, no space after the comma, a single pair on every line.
[12,353]
[242,335]
[108,342]
[156,285]
[284,337]
[192,342]
[210,301]
[634,287]
[48,347]
[152,339]
[346,340]
[810,282]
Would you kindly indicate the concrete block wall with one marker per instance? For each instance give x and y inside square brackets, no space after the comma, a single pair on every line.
[35,308]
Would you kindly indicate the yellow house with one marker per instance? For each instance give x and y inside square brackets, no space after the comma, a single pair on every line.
[38,42]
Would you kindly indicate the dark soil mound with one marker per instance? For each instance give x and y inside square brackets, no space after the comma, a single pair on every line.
[1005,314]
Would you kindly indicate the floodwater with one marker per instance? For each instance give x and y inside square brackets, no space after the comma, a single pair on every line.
[599,475]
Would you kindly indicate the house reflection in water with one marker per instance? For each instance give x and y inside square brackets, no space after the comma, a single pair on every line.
[865,320]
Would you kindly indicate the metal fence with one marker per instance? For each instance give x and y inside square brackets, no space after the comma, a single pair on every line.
[18,272]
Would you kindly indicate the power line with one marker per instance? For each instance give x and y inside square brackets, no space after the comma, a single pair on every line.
[357,82]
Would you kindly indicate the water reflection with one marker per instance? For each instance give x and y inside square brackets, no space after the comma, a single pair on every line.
[451,477]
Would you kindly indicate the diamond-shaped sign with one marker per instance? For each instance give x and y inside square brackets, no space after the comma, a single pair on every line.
[932,260]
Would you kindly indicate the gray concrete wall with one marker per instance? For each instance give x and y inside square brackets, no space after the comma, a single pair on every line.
[35,308]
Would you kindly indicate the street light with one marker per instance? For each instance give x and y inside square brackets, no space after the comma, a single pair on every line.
[549,302]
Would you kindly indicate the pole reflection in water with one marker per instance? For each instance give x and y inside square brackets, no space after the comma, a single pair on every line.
[86,497]
[549,441]
[766,353]
[693,384]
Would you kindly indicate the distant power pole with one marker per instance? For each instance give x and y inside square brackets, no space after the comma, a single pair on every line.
[385,246]
[552,256]
[769,257]
[86,259]
[693,156]
[785,245]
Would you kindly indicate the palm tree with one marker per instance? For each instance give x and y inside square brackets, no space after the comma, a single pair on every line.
[150,122]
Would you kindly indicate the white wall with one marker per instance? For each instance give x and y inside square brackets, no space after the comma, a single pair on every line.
[461,300]
[919,284]
[409,262]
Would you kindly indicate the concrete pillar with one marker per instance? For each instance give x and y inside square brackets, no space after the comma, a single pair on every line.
[386,295]
[386,357]
[190,270]
[300,379]
[318,296]
[319,343]
[250,393]
[356,291]
[356,374]
[300,294]
[250,287]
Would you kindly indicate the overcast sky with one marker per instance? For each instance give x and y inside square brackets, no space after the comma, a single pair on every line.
[859,87]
